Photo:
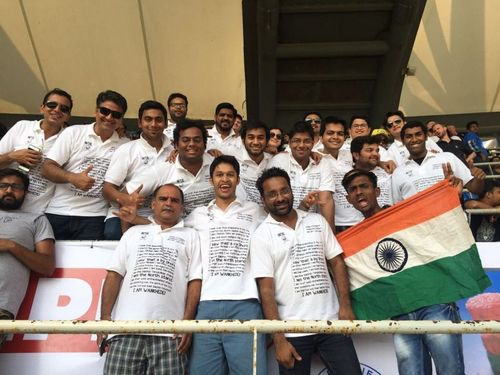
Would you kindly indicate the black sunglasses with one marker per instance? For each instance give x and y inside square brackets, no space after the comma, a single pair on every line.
[391,124]
[53,105]
[106,111]
[277,135]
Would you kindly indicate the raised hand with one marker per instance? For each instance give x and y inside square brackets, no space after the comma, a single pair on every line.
[82,180]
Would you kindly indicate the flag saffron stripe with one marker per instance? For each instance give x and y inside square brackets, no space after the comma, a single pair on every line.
[421,207]
[420,244]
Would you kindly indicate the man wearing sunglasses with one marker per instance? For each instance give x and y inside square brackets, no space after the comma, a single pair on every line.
[397,152]
[77,163]
[27,143]
[314,119]
[26,243]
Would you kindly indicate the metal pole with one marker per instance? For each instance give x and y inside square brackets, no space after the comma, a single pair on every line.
[254,351]
[249,326]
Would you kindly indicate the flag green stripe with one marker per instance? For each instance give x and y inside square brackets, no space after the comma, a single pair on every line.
[444,280]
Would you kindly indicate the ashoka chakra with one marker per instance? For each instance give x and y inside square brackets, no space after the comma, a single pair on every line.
[391,255]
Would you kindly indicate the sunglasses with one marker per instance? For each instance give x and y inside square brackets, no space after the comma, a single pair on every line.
[277,135]
[395,122]
[106,112]
[53,105]
[313,121]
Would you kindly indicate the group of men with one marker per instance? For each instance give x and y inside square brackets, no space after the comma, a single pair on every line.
[214,227]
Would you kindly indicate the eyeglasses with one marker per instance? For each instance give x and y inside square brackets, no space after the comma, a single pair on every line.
[106,112]
[275,135]
[313,121]
[15,187]
[274,194]
[53,105]
[359,126]
[178,105]
[391,124]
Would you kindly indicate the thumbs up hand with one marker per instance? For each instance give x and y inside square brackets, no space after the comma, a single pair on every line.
[82,180]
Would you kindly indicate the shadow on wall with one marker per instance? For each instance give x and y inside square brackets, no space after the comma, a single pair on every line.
[460,68]
[20,85]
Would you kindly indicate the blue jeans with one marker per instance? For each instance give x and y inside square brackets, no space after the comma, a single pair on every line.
[113,229]
[414,352]
[217,353]
[77,227]
[336,352]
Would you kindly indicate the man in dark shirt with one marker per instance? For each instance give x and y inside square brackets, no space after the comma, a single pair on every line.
[457,148]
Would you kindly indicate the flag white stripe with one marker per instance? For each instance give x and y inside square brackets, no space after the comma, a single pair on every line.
[450,228]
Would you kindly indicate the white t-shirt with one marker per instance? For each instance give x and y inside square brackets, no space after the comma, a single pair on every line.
[410,178]
[231,145]
[169,130]
[133,158]
[76,148]
[384,183]
[156,266]
[198,191]
[225,245]
[23,134]
[398,152]
[250,171]
[303,181]
[345,213]
[296,260]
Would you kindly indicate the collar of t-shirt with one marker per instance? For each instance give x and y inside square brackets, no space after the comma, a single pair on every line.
[244,156]
[420,161]
[207,160]
[165,143]
[300,216]
[212,206]
[37,128]
[91,133]
[158,229]
[311,163]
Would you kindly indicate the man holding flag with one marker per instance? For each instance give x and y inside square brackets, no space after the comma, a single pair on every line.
[401,266]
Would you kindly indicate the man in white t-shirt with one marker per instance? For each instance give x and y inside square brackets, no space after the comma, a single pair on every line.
[154,274]
[190,171]
[153,147]
[77,163]
[252,158]
[291,252]
[27,143]
[423,168]
[228,290]
[222,136]
[314,119]
[365,152]
[333,134]
[177,104]
[397,152]
[306,175]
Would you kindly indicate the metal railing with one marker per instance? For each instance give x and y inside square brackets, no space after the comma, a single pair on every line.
[249,326]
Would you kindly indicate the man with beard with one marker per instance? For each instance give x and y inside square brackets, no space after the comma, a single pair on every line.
[222,136]
[291,252]
[177,104]
[26,243]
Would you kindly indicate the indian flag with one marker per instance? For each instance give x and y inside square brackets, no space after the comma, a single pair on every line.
[416,253]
